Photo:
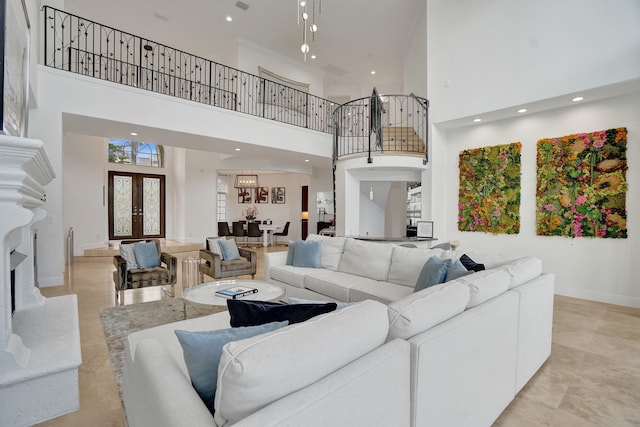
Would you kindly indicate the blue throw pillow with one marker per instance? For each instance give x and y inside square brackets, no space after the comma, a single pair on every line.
[202,351]
[456,270]
[307,254]
[229,250]
[292,250]
[433,272]
[249,313]
[146,254]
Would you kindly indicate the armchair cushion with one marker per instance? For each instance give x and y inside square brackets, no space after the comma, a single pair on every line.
[147,255]
[129,256]
[214,245]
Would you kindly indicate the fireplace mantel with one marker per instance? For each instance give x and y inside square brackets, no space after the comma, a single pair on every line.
[40,341]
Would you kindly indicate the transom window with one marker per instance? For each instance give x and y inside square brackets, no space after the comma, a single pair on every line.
[135,153]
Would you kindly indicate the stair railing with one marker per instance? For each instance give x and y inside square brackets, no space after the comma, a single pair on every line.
[378,124]
[82,46]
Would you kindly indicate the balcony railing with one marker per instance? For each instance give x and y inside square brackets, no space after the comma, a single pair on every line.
[382,124]
[81,46]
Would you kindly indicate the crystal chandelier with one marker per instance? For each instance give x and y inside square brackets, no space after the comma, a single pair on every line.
[312,27]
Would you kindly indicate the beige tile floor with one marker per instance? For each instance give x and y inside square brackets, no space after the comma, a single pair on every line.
[591,379]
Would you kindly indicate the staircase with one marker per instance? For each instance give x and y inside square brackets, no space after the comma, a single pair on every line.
[402,139]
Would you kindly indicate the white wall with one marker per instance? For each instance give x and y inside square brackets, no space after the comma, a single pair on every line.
[591,268]
[501,53]
[415,60]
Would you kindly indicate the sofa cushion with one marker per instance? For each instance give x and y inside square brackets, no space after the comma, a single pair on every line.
[290,275]
[331,250]
[307,254]
[434,272]
[422,310]
[385,292]
[335,284]
[147,255]
[127,253]
[229,250]
[202,351]
[406,264]
[366,259]
[485,285]
[235,265]
[522,270]
[250,313]
[251,373]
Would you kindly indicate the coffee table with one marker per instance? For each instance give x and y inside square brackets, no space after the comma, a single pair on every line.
[206,293]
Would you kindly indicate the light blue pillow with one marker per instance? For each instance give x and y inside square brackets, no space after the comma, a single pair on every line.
[146,254]
[229,250]
[456,270]
[202,351]
[292,250]
[433,272]
[307,254]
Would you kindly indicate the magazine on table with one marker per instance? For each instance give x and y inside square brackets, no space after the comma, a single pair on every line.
[236,292]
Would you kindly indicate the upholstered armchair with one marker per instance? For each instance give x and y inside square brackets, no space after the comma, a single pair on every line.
[164,273]
[214,266]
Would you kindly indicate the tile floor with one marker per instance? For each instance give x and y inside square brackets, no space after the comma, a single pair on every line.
[591,379]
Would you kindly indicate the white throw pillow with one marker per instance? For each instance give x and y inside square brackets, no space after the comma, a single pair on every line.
[250,374]
[214,246]
[424,309]
[126,252]
[366,259]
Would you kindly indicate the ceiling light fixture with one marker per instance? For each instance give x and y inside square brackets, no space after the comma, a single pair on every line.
[373,72]
[229,19]
[477,120]
[246,181]
[133,134]
[522,110]
[237,149]
[577,99]
[371,193]
[312,27]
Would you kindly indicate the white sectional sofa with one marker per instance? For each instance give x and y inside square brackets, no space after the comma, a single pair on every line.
[453,354]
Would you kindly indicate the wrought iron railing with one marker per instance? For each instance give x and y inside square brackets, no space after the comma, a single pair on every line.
[85,47]
[377,124]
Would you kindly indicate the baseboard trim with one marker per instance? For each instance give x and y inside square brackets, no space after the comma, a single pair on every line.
[624,300]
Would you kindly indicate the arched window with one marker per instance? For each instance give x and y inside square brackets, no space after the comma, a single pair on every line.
[135,153]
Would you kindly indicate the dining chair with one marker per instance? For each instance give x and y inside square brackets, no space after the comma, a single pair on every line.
[223,229]
[283,233]
[238,230]
[254,231]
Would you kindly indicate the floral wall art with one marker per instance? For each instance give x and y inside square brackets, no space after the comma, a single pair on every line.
[581,185]
[489,194]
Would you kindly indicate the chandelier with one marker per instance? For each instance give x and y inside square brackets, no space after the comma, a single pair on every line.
[311,27]
[246,181]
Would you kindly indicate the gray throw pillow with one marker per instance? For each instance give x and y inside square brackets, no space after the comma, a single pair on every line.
[433,272]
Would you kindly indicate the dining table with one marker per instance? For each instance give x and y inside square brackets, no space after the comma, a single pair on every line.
[267,235]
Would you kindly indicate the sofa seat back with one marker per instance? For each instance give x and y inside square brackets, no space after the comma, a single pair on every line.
[407,263]
[366,259]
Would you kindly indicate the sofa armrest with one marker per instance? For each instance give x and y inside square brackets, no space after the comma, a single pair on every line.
[273,259]
[121,269]
[172,265]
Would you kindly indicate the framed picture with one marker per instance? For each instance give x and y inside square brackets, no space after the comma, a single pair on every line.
[278,195]
[15,69]
[262,195]
[424,229]
[244,195]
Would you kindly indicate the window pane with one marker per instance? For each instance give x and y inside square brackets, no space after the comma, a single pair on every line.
[122,200]
[151,206]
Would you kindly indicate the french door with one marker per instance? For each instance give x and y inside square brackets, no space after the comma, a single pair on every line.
[136,205]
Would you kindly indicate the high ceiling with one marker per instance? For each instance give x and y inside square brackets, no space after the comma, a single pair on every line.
[354,37]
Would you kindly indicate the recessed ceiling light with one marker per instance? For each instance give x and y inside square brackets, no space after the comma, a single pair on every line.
[306,160]
[237,149]
[373,72]
[313,57]
[303,3]
[229,19]
[133,134]
[577,98]
[522,110]
[477,120]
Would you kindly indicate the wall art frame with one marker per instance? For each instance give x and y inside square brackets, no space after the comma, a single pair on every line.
[262,195]
[14,22]
[424,229]
[244,195]
[278,195]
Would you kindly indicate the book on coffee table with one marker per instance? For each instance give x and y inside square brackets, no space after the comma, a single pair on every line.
[236,292]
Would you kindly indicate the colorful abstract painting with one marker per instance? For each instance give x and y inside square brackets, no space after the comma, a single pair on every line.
[582,186]
[489,195]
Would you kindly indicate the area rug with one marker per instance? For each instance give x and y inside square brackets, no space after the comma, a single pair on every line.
[118,322]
